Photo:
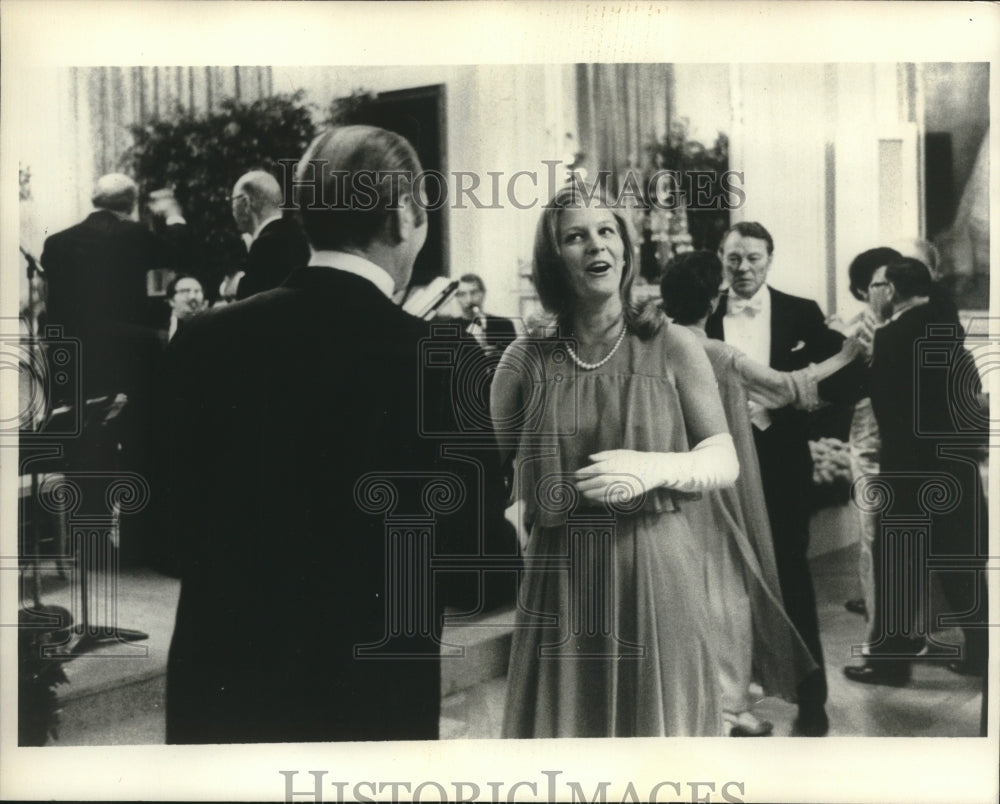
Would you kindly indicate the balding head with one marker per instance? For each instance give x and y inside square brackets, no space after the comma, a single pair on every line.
[116,192]
[256,197]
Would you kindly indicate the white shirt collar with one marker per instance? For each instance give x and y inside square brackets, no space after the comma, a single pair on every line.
[264,223]
[762,296]
[357,265]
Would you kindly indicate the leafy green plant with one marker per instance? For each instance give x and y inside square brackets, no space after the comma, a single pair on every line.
[688,157]
[200,156]
[350,110]
[39,674]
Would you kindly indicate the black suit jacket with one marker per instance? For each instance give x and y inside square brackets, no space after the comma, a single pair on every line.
[500,332]
[280,248]
[96,290]
[799,336]
[916,401]
[280,405]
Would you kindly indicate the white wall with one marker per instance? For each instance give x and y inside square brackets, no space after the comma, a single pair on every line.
[779,140]
[831,168]
[499,118]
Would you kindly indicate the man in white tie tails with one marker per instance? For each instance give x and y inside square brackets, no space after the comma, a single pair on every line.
[786,333]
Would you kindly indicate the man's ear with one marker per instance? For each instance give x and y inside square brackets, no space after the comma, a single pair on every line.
[404,219]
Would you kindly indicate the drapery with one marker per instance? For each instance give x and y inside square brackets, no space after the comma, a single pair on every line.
[110,99]
[621,110]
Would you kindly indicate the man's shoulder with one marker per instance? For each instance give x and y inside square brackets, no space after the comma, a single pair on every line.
[790,301]
[283,229]
[913,323]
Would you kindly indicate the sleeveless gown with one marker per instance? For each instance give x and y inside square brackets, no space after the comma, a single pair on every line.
[613,625]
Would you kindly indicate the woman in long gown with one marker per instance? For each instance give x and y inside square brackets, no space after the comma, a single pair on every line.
[613,631]
[756,639]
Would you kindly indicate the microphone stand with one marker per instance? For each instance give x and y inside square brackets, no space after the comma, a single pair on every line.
[91,636]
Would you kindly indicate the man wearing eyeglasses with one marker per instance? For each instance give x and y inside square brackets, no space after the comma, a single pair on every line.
[186,298]
[926,421]
[277,244]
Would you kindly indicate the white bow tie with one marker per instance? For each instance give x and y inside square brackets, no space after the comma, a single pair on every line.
[750,307]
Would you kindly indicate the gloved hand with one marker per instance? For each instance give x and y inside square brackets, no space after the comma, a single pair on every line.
[626,473]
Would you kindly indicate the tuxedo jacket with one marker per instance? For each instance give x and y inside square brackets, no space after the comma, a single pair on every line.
[500,332]
[280,407]
[96,290]
[279,249]
[917,402]
[799,336]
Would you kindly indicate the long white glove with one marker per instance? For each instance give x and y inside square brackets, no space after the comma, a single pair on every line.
[624,473]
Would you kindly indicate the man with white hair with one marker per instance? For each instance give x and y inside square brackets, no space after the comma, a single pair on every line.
[278,244]
[96,273]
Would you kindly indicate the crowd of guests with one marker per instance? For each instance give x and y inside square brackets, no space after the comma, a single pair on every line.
[659,453]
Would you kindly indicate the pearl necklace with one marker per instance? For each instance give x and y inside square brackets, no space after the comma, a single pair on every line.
[591,366]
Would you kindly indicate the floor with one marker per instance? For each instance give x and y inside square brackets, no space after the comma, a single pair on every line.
[115,694]
[936,703]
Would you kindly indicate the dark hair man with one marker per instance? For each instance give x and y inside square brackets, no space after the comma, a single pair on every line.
[786,333]
[922,382]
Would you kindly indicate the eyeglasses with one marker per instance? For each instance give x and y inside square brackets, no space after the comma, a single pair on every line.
[232,198]
[878,285]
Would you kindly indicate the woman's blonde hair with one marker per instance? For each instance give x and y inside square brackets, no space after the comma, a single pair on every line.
[548,270]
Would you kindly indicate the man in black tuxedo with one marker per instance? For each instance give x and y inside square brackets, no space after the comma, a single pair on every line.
[96,272]
[300,471]
[492,332]
[786,333]
[277,243]
[922,383]
[185,299]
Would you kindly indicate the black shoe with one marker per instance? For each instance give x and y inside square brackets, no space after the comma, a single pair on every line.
[811,722]
[889,675]
[857,606]
[746,724]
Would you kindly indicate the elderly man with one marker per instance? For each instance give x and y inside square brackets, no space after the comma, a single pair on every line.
[786,333]
[96,274]
[277,243]
[295,441]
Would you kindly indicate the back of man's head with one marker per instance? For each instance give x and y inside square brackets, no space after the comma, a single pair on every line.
[920,249]
[116,192]
[262,191]
[909,278]
[348,183]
